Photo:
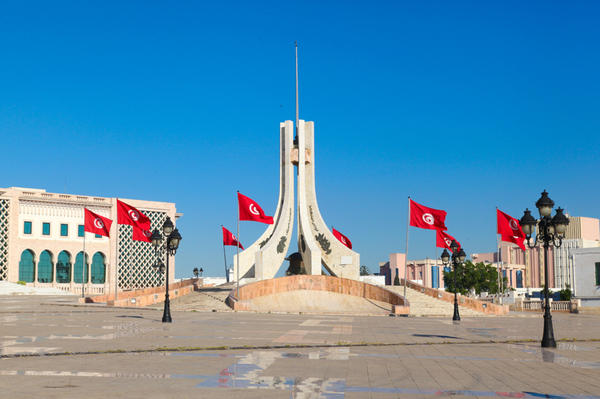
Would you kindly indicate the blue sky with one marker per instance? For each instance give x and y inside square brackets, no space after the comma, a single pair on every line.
[464,106]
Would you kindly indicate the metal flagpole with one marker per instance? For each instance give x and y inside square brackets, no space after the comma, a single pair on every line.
[116,253]
[83,263]
[238,250]
[406,254]
[225,259]
[500,278]
[438,270]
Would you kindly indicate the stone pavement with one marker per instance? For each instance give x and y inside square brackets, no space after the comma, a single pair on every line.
[51,348]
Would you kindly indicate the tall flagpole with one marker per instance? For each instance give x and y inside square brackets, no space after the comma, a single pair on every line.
[83,263]
[116,253]
[438,270]
[406,254]
[238,250]
[225,258]
[500,279]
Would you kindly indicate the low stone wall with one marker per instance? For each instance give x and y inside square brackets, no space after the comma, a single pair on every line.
[146,296]
[315,283]
[480,306]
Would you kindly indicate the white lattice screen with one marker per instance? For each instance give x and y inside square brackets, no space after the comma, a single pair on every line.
[137,257]
[4,217]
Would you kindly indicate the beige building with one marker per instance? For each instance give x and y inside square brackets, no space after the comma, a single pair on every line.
[41,242]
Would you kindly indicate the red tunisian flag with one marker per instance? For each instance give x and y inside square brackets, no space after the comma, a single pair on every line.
[343,239]
[443,239]
[140,234]
[426,218]
[97,224]
[510,229]
[229,238]
[250,210]
[126,214]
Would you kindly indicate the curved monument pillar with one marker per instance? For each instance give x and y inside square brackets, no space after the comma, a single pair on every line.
[316,242]
[265,256]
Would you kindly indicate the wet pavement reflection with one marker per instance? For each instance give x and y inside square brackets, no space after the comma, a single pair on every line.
[249,371]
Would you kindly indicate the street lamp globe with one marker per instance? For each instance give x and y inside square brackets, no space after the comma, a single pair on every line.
[445,257]
[560,222]
[545,204]
[462,255]
[528,223]
[156,238]
[174,239]
[453,246]
[167,227]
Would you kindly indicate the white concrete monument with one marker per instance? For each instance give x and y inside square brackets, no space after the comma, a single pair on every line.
[316,243]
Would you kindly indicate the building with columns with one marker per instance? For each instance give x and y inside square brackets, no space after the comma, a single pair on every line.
[42,237]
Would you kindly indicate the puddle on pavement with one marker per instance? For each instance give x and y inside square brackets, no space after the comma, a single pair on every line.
[551,356]
[247,372]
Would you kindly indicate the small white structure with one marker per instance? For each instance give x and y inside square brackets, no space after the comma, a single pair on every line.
[586,263]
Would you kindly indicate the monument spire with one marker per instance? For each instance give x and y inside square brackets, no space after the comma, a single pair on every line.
[297,102]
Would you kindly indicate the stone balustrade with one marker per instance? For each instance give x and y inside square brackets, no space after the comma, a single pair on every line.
[146,296]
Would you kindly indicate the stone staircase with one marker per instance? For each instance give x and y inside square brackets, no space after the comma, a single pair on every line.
[425,305]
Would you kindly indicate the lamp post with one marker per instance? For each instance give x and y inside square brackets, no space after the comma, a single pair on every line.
[551,230]
[196,272]
[171,244]
[458,257]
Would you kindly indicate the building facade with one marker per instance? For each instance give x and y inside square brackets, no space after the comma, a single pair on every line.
[586,275]
[525,269]
[427,272]
[42,238]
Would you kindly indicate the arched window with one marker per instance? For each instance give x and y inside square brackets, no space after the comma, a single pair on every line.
[45,267]
[26,266]
[78,266]
[98,268]
[63,267]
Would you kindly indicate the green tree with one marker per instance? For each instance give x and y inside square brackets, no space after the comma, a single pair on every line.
[479,277]
[364,271]
[396,280]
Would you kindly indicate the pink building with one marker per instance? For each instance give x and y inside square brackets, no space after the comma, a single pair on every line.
[425,271]
[525,269]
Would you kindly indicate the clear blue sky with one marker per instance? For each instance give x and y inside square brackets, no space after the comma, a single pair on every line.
[464,106]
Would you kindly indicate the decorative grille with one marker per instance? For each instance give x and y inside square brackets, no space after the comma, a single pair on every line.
[4,217]
[137,257]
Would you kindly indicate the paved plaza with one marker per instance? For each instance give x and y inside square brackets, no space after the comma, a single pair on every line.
[53,348]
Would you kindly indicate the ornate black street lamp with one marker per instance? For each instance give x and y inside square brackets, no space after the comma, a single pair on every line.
[458,257]
[196,272]
[551,230]
[170,247]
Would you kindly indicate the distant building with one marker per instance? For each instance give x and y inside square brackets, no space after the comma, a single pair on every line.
[41,242]
[525,269]
[586,275]
[427,272]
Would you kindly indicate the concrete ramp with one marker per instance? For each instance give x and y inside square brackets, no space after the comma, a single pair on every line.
[316,294]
